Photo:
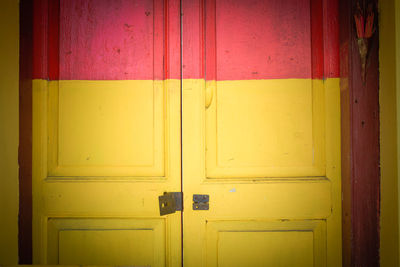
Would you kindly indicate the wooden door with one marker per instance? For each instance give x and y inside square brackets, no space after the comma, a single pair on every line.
[106,132]
[261,133]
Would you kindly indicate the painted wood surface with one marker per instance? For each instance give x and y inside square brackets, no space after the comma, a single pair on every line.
[106,40]
[366,172]
[106,144]
[360,146]
[40,39]
[25,133]
[251,179]
[81,46]
[257,39]
[9,49]
[114,76]
[269,40]
[389,211]
[232,146]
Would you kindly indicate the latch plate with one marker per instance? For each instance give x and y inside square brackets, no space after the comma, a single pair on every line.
[201,202]
[170,202]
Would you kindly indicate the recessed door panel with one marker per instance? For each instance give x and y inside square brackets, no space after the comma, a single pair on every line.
[111,40]
[263,243]
[92,124]
[259,39]
[138,241]
[106,247]
[265,128]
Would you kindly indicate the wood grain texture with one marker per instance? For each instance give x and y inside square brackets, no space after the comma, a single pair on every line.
[40,39]
[258,39]
[193,64]
[317,39]
[25,133]
[265,40]
[107,40]
[53,39]
[365,152]
[331,38]
[111,40]
[72,43]
[344,17]
[360,146]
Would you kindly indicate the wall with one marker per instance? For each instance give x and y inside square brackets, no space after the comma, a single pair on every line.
[397,74]
[389,160]
[9,54]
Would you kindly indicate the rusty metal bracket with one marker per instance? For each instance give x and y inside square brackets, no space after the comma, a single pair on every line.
[201,202]
[170,202]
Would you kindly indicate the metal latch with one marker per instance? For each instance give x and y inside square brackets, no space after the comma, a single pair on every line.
[201,202]
[170,202]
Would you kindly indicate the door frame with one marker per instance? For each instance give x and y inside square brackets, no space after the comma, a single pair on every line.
[360,142]
[360,134]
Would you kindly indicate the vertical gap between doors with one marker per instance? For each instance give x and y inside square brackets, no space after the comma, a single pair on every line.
[181,91]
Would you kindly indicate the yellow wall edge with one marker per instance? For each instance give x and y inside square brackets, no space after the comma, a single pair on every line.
[389,116]
[397,75]
[9,54]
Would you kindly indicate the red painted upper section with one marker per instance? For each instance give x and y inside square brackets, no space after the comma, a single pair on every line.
[317,39]
[107,39]
[222,39]
[259,39]
[40,41]
[110,40]
[331,38]
[54,40]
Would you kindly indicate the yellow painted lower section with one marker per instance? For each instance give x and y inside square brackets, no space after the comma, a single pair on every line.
[267,152]
[389,242]
[107,128]
[265,128]
[9,50]
[103,152]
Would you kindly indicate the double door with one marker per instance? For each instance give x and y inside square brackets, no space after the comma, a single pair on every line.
[220,100]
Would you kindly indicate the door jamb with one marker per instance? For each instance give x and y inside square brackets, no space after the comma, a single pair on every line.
[360,142]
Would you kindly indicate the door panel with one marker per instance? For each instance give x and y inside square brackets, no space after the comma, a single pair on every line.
[260,135]
[284,243]
[93,123]
[111,40]
[265,128]
[258,39]
[245,200]
[107,134]
[107,241]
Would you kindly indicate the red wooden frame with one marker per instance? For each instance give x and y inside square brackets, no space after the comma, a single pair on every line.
[25,133]
[360,144]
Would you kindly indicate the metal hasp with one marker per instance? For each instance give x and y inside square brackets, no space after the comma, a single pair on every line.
[201,202]
[170,202]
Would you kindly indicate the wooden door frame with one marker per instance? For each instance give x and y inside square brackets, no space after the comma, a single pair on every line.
[25,132]
[360,140]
